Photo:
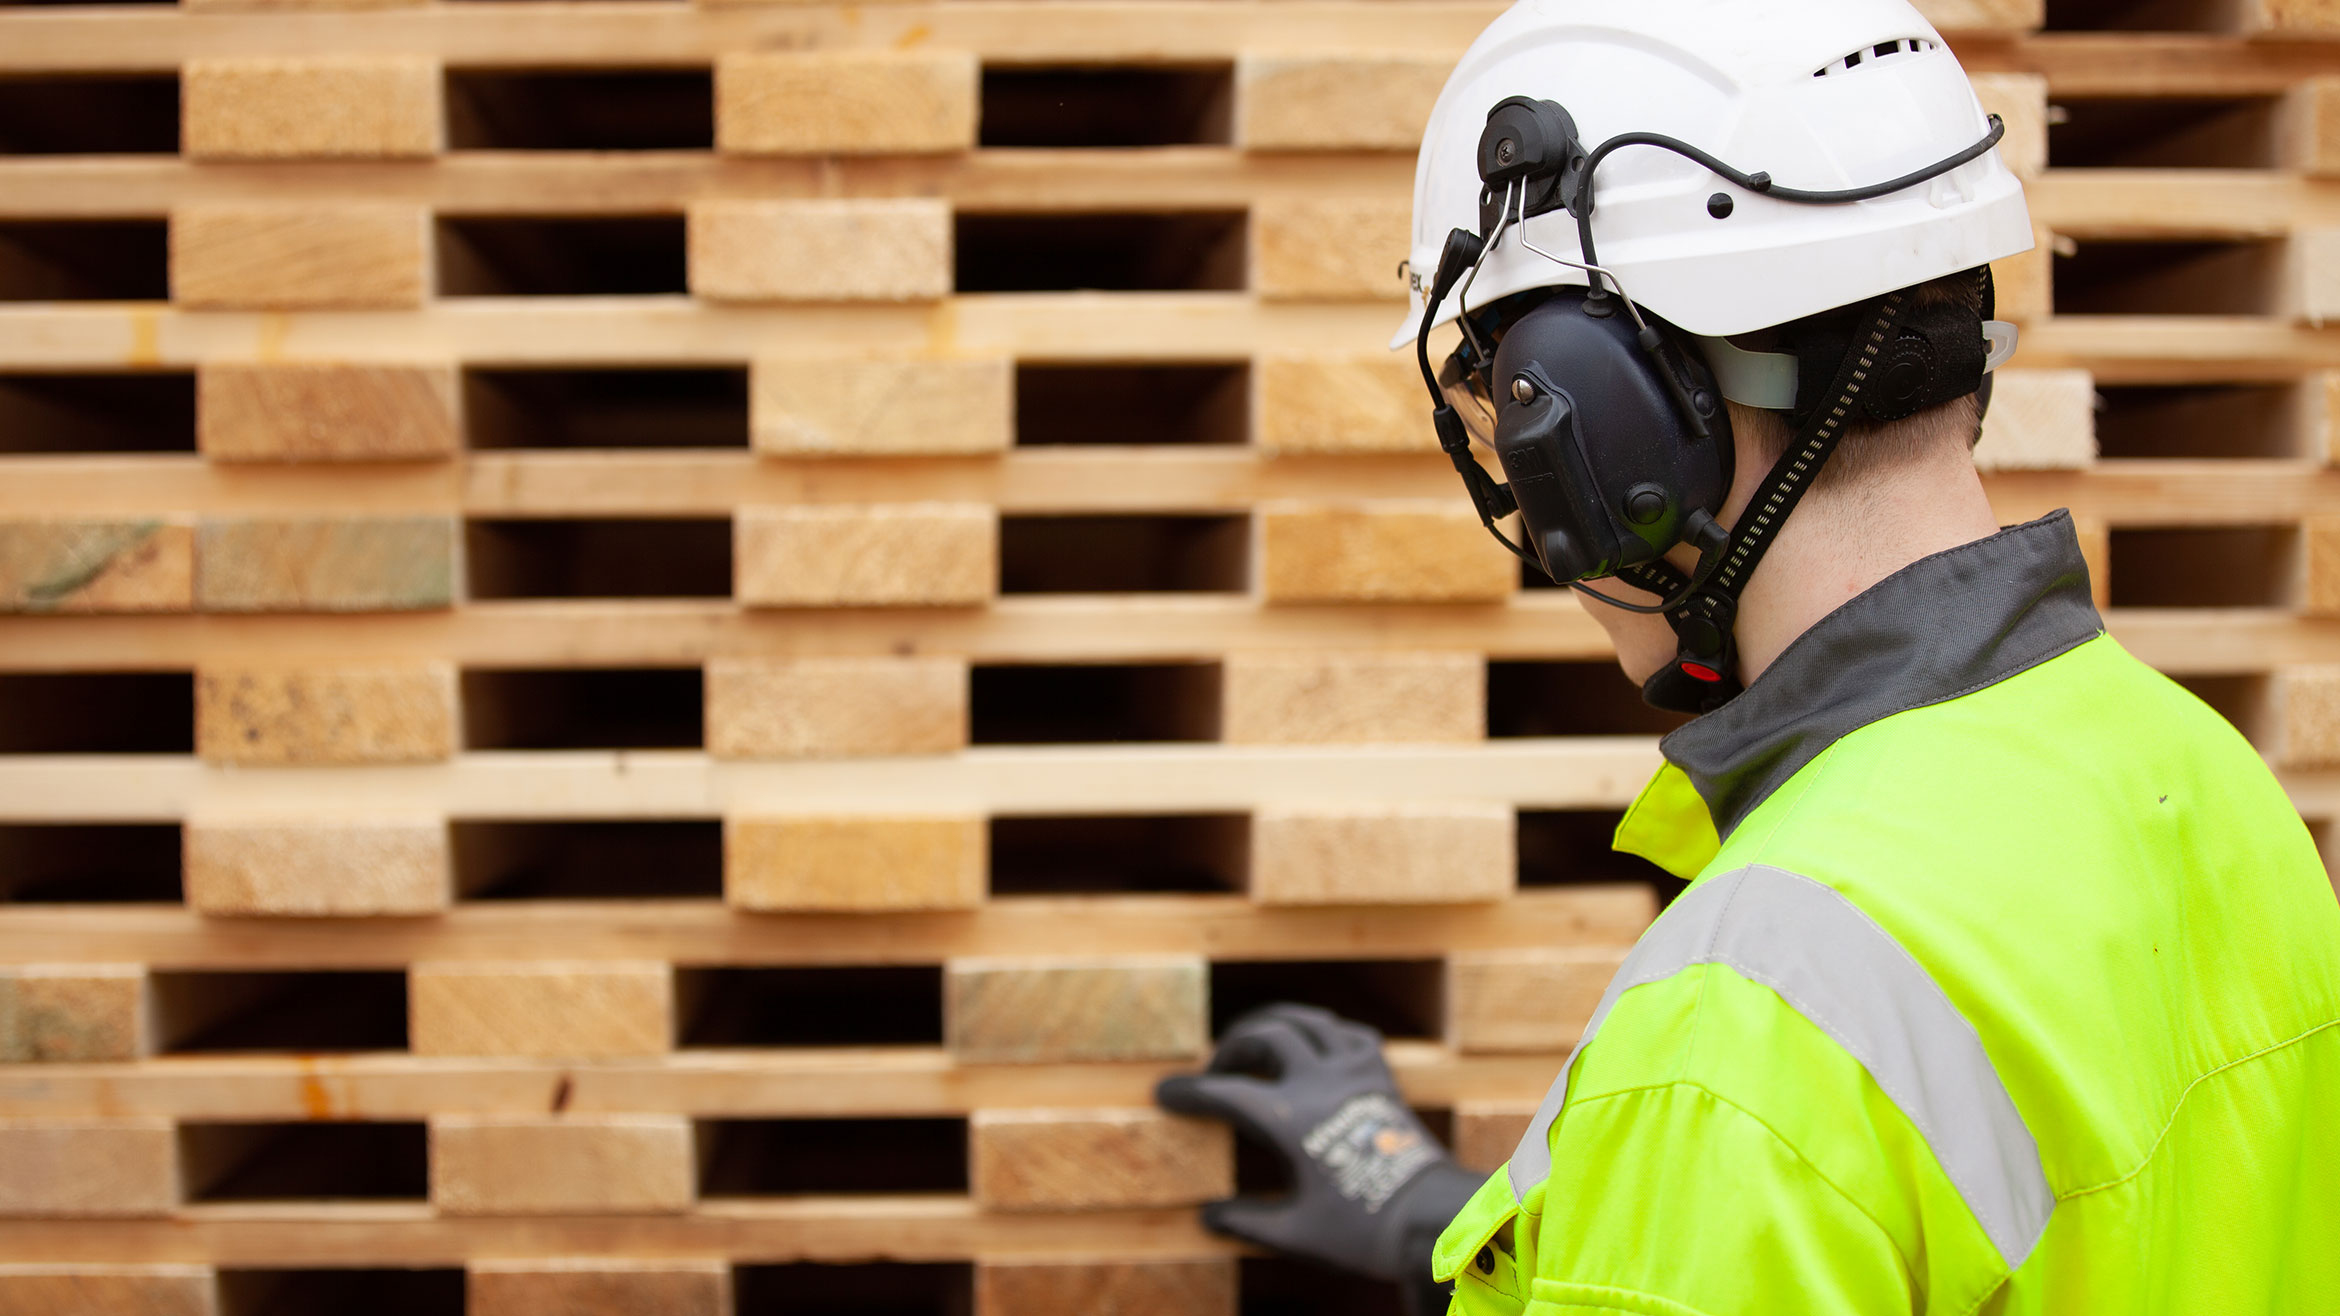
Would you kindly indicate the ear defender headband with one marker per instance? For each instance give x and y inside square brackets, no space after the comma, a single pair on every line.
[1611,427]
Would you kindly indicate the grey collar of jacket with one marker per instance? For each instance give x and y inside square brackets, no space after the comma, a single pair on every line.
[1941,627]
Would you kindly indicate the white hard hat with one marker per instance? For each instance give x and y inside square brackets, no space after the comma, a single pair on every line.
[1821,95]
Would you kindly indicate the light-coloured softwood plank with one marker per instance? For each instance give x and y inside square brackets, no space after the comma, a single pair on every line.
[704,932]
[845,102]
[1048,1011]
[60,1013]
[1333,102]
[835,707]
[2303,717]
[2039,420]
[564,1008]
[92,1289]
[1344,403]
[2021,102]
[82,566]
[582,1164]
[298,864]
[325,564]
[278,715]
[352,256]
[331,107]
[1486,1132]
[2321,551]
[1399,550]
[1073,1160]
[88,1167]
[904,406]
[597,1286]
[2297,19]
[898,555]
[1524,1000]
[844,863]
[882,250]
[1334,699]
[250,411]
[1421,853]
[1197,1287]
[1330,248]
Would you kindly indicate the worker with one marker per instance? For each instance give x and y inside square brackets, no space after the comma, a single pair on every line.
[2007,979]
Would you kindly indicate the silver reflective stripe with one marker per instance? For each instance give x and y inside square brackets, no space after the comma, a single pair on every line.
[1833,965]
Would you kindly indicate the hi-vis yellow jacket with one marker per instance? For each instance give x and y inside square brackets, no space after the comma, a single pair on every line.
[2008,982]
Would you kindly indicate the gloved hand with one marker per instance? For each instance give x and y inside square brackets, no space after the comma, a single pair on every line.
[1372,1190]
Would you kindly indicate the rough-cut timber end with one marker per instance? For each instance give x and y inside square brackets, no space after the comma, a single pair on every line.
[846,102]
[796,708]
[1389,551]
[2304,704]
[880,250]
[321,564]
[855,864]
[72,1012]
[1407,854]
[1336,103]
[2025,283]
[1084,1160]
[1178,1286]
[576,1165]
[89,1168]
[1354,699]
[1340,403]
[77,566]
[1329,249]
[276,715]
[326,411]
[313,868]
[1524,1000]
[550,1008]
[2021,102]
[2040,420]
[902,406]
[313,256]
[1014,1011]
[897,555]
[1487,1132]
[315,107]
[88,1288]
[598,1286]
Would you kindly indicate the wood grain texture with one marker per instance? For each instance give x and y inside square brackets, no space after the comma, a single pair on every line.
[1385,551]
[325,564]
[311,867]
[95,1289]
[2025,283]
[2021,102]
[97,566]
[2039,420]
[2310,19]
[881,250]
[1487,1132]
[1059,1160]
[1038,1011]
[2304,717]
[350,256]
[1340,403]
[598,1286]
[1337,102]
[73,1012]
[249,411]
[315,107]
[2321,548]
[1524,1000]
[901,406]
[1392,697]
[578,1165]
[315,714]
[844,863]
[1426,853]
[550,1008]
[899,555]
[835,707]
[1330,249]
[845,102]
[88,1167]
[1200,1286]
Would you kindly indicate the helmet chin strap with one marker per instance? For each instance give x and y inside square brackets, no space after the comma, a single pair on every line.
[1703,608]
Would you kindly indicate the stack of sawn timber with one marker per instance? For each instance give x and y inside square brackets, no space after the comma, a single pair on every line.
[654,658]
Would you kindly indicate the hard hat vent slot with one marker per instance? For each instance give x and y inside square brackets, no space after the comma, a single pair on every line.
[1868,55]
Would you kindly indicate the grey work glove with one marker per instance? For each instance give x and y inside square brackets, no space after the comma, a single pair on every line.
[1371,1189]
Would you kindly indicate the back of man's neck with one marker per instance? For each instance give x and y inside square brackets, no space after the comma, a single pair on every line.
[1843,539]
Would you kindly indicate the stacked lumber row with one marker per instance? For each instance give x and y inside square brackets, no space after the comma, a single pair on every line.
[357,945]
